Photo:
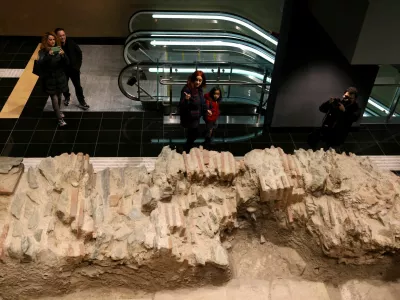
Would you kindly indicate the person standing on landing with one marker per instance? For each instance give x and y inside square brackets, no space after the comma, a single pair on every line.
[72,71]
[192,107]
[213,99]
[53,61]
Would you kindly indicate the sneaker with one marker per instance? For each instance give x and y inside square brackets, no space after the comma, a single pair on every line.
[66,101]
[61,122]
[62,115]
[84,105]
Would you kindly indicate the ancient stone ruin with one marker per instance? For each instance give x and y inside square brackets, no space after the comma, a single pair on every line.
[66,228]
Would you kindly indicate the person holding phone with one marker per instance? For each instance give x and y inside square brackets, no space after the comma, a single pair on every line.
[192,107]
[73,70]
[52,61]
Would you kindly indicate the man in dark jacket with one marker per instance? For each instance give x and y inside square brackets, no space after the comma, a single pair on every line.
[74,53]
[340,114]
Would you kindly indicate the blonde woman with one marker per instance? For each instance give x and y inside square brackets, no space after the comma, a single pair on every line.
[52,61]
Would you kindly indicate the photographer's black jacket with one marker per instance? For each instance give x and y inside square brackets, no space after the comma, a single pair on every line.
[337,119]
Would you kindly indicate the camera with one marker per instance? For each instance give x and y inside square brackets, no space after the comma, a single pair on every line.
[336,101]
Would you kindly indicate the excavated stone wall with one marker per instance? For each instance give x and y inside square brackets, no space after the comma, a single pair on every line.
[67,228]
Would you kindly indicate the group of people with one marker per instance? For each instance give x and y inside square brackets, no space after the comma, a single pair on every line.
[59,60]
[194,105]
[340,114]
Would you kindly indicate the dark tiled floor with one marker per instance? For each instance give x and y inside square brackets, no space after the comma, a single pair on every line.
[144,134]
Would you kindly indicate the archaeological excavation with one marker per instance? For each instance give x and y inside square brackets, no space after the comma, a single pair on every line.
[198,219]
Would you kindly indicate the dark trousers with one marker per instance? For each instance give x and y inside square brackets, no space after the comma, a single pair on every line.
[75,77]
[327,138]
[191,135]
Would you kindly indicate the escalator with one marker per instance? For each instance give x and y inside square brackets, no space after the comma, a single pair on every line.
[164,48]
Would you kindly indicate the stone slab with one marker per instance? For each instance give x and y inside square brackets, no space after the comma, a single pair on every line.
[9,181]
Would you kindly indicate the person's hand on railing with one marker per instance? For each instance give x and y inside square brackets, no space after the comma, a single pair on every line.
[187,96]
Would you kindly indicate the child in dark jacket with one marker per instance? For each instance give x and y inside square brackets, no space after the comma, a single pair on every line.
[213,99]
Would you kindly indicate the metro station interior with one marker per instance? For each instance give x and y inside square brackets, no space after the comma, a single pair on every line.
[133,87]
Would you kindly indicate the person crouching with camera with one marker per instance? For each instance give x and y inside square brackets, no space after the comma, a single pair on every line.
[340,114]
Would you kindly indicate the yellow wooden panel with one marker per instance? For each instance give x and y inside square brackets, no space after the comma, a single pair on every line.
[22,90]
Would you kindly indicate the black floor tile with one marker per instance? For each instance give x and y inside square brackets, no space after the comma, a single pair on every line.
[242,127]
[113,114]
[235,133]
[31,112]
[37,150]
[92,115]
[7,82]
[175,134]
[18,64]
[43,136]
[132,124]
[12,48]
[48,115]
[5,91]
[149,135]
[363,137]
[373,127]
[72,115]
[20,137]
[381,135]
[153,114]
[4,134]
[288,148]
[390,148]
[133,115]
[72,124]
[173,127]
[108,136]
[58,149]
[7,56]
[131,136]
[14,150]
[152,124]
[370,149]
[299,137]
[240,149]
[84,148]
[47,124]
[7,124]
[222,147]
[110,124]
[106,150]
[28,48]
[90,124]
[129,150]
[22,57]
[280,137]
[4,64]
[151,150]
[26,124]
[84,137]
[64,137]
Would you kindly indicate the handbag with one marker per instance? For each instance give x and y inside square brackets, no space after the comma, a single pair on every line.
[36,68]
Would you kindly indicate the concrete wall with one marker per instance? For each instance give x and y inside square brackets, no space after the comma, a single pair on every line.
[379,41]
[109,18]
[310,69]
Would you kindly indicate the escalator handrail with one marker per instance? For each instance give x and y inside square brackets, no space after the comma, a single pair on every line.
[205,34]
[232,15]
[247,44]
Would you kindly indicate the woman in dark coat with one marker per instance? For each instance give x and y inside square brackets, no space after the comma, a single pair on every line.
[52,62]
[192,106]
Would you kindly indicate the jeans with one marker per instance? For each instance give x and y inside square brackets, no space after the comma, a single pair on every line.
[56,102]
[75,77]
